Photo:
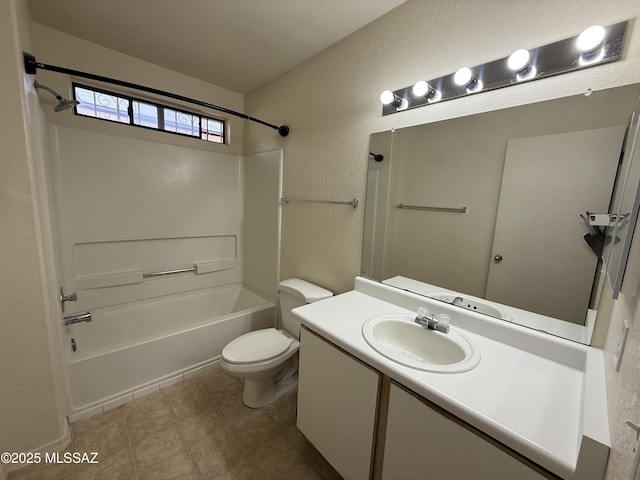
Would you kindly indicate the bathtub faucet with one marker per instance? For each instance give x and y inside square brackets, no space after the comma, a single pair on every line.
[77,318]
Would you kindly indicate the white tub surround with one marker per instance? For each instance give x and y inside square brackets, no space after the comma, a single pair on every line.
[540,396]
[128,348]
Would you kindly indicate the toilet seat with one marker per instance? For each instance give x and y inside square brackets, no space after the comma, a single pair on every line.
[258,346]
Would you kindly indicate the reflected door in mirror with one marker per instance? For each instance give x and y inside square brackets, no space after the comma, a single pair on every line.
[545,265]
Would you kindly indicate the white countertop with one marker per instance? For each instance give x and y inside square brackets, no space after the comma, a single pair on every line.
[528,391]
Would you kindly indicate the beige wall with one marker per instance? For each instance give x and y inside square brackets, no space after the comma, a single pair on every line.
[331,104]
[33,403]
[30,406]
[57,48]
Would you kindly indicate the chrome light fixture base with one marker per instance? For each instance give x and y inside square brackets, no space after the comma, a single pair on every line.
[555,58]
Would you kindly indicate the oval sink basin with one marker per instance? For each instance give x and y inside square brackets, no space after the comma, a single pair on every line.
[400,339]
[471,304]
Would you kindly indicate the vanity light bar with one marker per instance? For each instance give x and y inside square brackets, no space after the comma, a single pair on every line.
[604,45]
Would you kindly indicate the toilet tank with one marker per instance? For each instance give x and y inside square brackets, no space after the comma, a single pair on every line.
[295,292]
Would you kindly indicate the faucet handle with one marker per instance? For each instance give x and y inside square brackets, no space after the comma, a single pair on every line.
[443,319]
[422,312]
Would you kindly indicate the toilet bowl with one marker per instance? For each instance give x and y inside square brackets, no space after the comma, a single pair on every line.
[267,359]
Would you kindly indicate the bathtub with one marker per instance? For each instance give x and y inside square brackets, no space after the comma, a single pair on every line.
[138,346]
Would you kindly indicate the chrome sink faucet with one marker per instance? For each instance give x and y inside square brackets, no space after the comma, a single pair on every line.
[458,301]
[432,322]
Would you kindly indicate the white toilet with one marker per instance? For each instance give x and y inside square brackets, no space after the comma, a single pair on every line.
[267,359]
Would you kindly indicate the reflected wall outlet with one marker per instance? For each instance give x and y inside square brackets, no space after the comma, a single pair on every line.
[622,340]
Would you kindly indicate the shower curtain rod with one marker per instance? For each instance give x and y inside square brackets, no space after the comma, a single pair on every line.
[31,66]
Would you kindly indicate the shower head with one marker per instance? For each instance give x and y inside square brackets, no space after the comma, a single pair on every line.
[63,103]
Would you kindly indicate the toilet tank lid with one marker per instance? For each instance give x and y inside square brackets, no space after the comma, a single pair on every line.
[304,290]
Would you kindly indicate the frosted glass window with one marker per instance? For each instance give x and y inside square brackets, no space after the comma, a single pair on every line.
[121,108]
[181,122]
[145,114]
[212,130]
[98,104]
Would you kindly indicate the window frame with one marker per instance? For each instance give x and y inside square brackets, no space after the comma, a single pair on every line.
[160,107]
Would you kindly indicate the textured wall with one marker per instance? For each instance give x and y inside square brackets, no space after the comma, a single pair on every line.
[29,409]
[623,387]
[58,48]
[331,104]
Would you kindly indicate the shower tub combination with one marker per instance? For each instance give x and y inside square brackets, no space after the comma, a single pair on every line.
[143,345]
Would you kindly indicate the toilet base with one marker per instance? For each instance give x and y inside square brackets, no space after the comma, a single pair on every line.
[259,392]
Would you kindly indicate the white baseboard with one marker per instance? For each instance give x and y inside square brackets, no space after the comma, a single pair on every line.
[55,446]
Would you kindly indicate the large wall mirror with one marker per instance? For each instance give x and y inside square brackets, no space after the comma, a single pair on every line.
[490,211]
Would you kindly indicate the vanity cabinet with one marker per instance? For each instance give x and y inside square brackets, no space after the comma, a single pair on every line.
[337,405]
[368,427]
[423,441]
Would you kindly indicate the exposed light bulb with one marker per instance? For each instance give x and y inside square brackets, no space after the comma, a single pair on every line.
[519,60]
[591,38]
[421,88]
[463,76]
[387,97]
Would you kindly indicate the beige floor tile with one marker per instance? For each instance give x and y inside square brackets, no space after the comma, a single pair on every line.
[179,467]
[305,449]
[253,428]
[146,415]
[197,427]
[298,441]
[217,452]
[240,469]
[163,443]
[115,465]
[198,430]
[232,408]
[41,471]
[273,457]
[102,433]
[300,469]
[322,466]
[284,409]
[220,385]
[188,398]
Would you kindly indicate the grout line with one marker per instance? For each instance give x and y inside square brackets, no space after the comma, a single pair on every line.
[186,445]
[126,429]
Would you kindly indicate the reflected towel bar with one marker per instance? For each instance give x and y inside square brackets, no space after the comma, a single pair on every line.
[433,209]
[169,272]
[353,203]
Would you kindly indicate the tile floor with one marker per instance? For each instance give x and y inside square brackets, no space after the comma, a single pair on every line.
[197,429]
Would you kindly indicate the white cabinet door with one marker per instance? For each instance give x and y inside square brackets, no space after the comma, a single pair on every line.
[337,399]
[421,444]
